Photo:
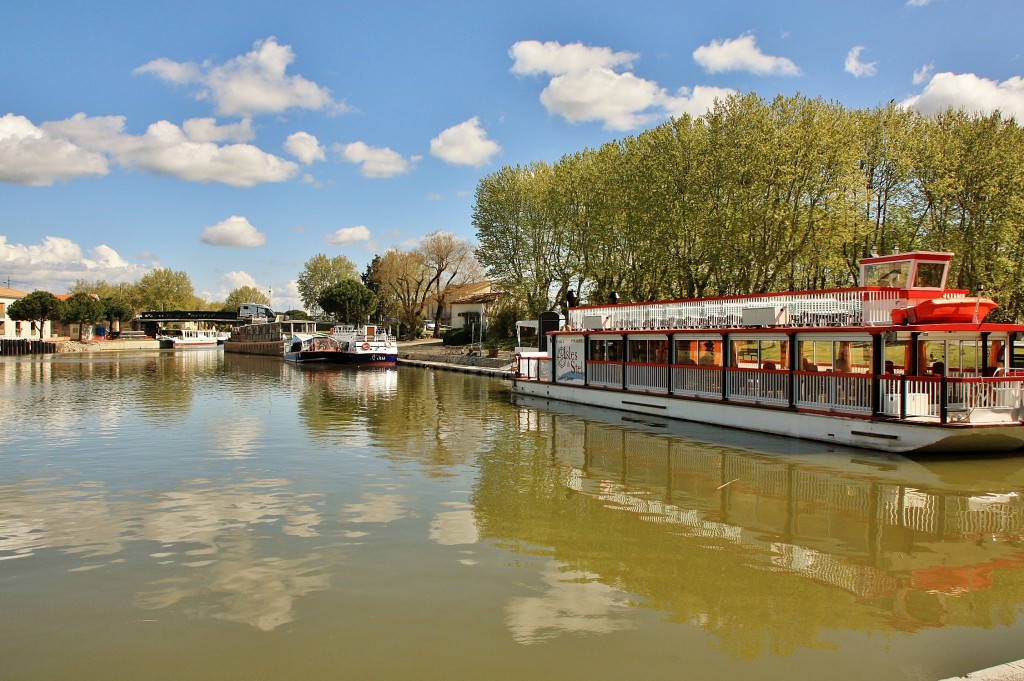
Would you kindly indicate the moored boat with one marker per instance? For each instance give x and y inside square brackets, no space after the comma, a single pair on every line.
[269,338]
[895,364]
[191,338]
[366,345]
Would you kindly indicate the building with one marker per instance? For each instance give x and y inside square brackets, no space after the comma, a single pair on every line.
[12,329]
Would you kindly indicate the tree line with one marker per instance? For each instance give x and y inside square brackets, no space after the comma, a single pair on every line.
[760,196]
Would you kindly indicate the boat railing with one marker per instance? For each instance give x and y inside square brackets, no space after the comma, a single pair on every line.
[646,376]
[765,386]
[833,391]
[604,374]
[697,381]
[840,307]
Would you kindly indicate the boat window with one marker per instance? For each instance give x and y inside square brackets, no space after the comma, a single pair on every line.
[744,353]
[606,350]
[891,274]
[710,353]
[648,351]
[687,351]
[774,354]
[929,274]
[852,357]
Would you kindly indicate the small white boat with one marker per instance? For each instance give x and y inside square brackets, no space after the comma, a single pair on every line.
[191,338]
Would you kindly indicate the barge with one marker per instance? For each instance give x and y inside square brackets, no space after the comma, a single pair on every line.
[897,364]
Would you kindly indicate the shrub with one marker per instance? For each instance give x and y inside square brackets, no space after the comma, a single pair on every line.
[456,337]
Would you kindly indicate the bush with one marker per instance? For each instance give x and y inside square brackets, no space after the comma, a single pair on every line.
[456,337]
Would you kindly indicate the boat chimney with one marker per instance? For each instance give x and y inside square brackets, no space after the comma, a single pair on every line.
[614,298]
[874,251]
[895,250]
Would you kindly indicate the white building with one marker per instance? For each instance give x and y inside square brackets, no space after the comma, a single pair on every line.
[12,329]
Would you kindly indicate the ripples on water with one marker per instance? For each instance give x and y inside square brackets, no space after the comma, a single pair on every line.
[201,515]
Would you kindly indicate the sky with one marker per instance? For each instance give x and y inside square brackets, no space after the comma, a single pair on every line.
[234,141]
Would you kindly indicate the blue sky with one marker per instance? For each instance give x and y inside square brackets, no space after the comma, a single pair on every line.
[236,140]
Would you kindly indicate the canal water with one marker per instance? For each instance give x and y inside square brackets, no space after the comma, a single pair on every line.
[196,515]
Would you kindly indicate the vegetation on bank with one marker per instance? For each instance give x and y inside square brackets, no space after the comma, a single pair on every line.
[760,196]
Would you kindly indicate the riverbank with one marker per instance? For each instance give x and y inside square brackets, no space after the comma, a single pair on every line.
[431,353]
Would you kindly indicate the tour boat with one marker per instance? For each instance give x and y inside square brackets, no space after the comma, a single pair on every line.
[898,364]
[367,345]
[267,338]
[191,338]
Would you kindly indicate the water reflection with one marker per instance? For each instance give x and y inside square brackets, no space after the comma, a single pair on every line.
[769,551]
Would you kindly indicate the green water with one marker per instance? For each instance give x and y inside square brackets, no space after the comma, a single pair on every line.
[195,515]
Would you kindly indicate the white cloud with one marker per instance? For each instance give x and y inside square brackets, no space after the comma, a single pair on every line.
[534,58]
[167,149]
[464,144]
[305,147]
[853,65]
[31,156]
[924,73]
[228,283]
[376,162]
[971,93]
[207,130]
[347,236]
[918,3]
[236,232]
[57,263]
[742,54]
[250,84]
[595,84]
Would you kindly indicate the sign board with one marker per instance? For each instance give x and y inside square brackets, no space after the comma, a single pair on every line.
[569,354]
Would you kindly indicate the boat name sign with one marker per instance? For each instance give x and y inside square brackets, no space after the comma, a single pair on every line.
[569,354]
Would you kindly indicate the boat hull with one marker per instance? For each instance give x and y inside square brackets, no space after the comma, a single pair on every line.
[367,359]
[887,435]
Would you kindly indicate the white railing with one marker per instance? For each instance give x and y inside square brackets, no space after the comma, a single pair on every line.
[604,374]
[829,391]
[697,381]
[650,377]
[764,386]
[840,307]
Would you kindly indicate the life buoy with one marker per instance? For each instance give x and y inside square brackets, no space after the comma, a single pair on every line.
[366,346]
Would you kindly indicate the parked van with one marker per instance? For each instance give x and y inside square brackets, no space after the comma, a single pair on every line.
[250,310]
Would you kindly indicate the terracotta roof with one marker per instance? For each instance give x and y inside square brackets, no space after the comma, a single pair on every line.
[11,293]
[478,298]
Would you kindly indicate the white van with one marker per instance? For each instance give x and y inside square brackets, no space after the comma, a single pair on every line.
[252,310]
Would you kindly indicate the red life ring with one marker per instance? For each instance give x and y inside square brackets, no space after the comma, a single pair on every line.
[366,346]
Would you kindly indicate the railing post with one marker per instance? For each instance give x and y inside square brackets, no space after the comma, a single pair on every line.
[943,399]
[903,397]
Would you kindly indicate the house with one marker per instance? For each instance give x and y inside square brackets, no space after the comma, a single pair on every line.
[453,293]
[12,329]
[471,311]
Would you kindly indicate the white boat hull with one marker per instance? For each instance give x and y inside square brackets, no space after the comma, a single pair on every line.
[868,433]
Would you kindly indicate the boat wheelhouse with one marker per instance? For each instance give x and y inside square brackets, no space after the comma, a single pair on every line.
[899,364]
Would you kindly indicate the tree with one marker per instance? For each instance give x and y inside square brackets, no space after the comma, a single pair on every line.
[348,301]
[245,294]
[319,273]
[451,263]
[81,309]
[404,281]
[117,309]
[37,307]
[163,290]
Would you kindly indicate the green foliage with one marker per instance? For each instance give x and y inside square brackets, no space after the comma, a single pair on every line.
[117,309]
[759,196]
[163,289]
[245,294]
[82,309]
[348,301]
[38,307]
[456,337]
[319,273]
[296,314]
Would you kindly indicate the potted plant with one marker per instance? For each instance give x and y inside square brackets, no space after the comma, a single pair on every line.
[492,348]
